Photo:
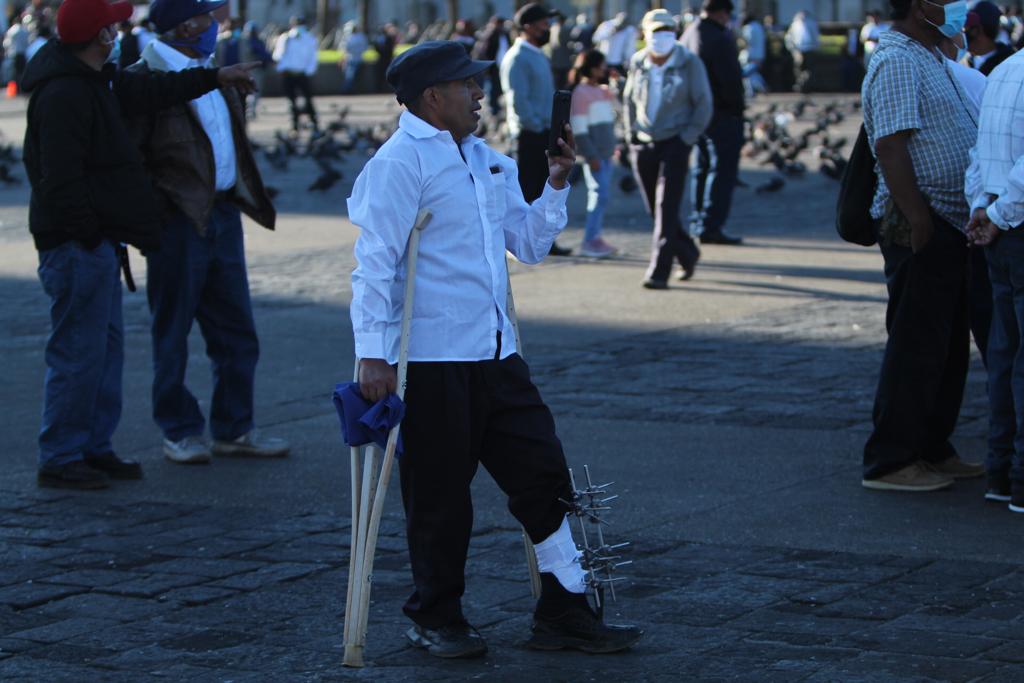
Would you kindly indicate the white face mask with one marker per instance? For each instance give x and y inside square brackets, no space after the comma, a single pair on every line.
[662,42]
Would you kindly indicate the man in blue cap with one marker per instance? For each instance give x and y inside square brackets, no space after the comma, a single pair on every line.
[469,398]
[205,176]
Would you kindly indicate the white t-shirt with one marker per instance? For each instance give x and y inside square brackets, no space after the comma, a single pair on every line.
[973,83]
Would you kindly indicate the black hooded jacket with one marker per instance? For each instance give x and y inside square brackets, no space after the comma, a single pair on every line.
[88,179]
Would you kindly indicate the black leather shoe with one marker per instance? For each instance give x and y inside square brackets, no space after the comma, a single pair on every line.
[115,467]
[457,641]
[719,238]
[74,475]
[651,283]
[578,628]
[559,251]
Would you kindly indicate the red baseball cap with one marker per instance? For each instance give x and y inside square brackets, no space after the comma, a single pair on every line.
[78,21]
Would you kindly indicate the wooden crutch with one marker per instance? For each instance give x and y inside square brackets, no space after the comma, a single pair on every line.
[531,554]
[369,489]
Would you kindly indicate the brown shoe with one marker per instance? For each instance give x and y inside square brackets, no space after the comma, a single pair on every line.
[954,467]
[917,476]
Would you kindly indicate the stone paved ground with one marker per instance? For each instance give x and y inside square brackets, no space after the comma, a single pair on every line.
[756,555]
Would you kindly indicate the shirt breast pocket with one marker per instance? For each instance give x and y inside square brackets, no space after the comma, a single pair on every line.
[496,201]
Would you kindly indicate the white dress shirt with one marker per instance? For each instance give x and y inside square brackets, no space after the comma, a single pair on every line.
[213,114]
[461,277]
[973,83]
[995,177]
[295,51]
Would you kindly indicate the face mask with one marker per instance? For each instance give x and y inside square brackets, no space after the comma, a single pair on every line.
[545,37]
[955,15]
[205,43]
[662,42]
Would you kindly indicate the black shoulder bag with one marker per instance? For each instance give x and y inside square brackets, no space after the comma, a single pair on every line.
[856,193]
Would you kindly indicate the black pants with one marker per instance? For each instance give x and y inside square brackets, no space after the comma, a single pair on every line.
[460,414]
[532,162]
[716,170]
[980,302]
[660,169]
[924,369]
[294,85]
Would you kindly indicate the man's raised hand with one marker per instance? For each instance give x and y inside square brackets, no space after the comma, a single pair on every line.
[238,76]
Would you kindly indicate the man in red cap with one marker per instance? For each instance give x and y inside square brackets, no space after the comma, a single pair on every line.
[90,195]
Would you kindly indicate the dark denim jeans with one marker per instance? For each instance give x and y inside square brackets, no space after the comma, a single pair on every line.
[924,369]
[202,278]
[1006,356]
[84,354]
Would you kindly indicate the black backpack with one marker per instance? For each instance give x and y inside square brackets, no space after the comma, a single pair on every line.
[856,193]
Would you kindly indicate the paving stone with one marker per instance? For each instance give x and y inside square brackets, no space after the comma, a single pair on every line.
[62,630]
[117,607]
[193,596]
[885,668]
[284,571]
[928,643]
[212,568]
[93,578]
[152,585]
[929,622]
[30,594]
[212,547]
[1007,652]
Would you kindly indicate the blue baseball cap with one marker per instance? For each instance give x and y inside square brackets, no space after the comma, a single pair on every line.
[166,14]
[429,63]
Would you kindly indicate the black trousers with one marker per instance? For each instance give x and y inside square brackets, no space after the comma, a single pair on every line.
[980,302]
[716,170]
[924,369]
[532,162]
[660,169]
[459,415]
[296,84]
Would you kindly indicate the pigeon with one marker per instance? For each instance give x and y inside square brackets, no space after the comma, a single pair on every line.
[5,175]
[284,143]
[277,157]
[326,181]
[773,185]
[628,184]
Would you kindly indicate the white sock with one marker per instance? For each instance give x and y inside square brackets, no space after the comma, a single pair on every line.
[558,555]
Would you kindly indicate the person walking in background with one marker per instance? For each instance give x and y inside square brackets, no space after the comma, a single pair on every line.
[529,90]
[43,35]
[753,56]
[253,49]
[559,51]
[384,45]
[616,39]
[198,274]
[870,32]
[90,194]
[492,46]
[16,43]
[295,54]
[593,124]
[921,130]
[668,104]
[982,31]
[995,190]
[582,34]
[355,45]
[717,162]
[801,40]
[464,35]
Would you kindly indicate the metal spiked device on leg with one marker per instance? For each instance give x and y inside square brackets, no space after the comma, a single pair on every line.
[600,560]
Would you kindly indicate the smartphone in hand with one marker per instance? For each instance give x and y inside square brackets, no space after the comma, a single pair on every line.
[559,118]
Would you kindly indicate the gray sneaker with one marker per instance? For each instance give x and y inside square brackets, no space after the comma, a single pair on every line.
[917,476]
[192,450]
[253,445]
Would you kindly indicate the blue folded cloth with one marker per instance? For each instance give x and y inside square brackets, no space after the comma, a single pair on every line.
[363,423]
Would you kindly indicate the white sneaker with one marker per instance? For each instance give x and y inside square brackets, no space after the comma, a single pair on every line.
[192,450]
[253,445]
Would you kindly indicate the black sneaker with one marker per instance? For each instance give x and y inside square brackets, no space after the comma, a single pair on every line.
[115,467]
[457,641]
[719,238]
[998,489]
[74,475]
[1017,497]
[651,283]
[578,628]
[559,251]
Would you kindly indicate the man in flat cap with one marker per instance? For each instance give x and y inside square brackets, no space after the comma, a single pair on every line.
[205,176]
[529,87]
[469,398]
[90,194]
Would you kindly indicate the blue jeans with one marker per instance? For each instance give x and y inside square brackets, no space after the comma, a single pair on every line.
[202,278]
[598,185]
[84,354]
[1006,356]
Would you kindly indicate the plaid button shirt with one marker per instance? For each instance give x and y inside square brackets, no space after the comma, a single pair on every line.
[995,178]
[910,88]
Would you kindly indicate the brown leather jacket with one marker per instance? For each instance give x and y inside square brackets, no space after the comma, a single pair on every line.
[179,157]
